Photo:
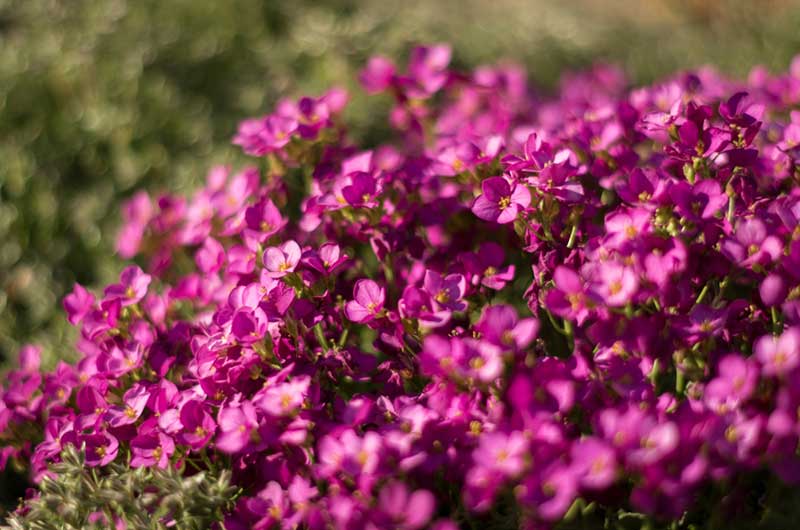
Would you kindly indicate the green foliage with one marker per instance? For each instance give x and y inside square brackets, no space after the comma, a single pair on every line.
[143,498]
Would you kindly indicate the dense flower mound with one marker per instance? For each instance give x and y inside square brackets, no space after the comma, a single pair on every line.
[519,308]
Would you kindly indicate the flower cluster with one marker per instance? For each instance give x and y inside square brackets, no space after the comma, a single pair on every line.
[587,303]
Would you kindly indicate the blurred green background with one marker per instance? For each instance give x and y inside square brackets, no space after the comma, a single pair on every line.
[99,98]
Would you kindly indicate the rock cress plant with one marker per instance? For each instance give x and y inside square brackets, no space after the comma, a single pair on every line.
[541,309]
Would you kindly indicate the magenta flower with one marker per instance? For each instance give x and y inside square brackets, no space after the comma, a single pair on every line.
[594,462]
[700,202]
[349,453]
[752,244]
[569,299]
[368,301]
[656,442]
[280,261]
[416,303]
[501,326]
[284,399]
[615,284]
[773,290]
[101,448]
[78,303]
[734,384]
[249,325]
[264,219]
[779,355]
[502,453]
[198,426]
[328,260]
[261,136]
[131,289]
[361,191]
[427,70]
[486,266]
[133,404]
[406,511]
[378,75]
[30,358]
[655,238]
[210,257]
[447,292]
[551,491]
[501,202]
[238,425]
[152,448]
[626,226]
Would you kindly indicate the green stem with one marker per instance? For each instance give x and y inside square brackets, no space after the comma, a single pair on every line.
[343,338]
[553,322]
[320,335]
[654,373]
[680,381]
[731,207]
[702,294]
[777,323]
[572,234]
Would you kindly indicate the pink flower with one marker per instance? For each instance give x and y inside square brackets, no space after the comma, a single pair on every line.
[594,462]
[198,426]
[501,202]
[264,219]
[133,404]
[368,301]
[280,261]
[284,399]
[406,511]
[78,303]
[101,448]
[237,424]
[131,289]
[152,448]
[378,75]
[503,453]
[210,257]
[447,292]
[779,355]
[616,284]
[501,326]
[569,298]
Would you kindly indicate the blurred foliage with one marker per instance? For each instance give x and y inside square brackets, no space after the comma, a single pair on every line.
[99,98]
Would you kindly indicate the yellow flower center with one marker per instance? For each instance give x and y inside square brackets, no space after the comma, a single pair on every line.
[731,435]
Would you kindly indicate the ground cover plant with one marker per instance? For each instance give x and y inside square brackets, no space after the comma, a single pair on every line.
[519,311]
